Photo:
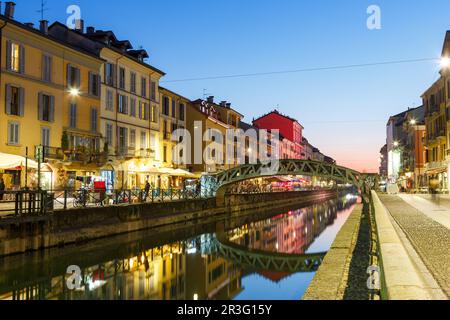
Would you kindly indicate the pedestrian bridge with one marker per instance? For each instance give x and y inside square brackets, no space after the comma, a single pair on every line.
[294,167]
[264,260]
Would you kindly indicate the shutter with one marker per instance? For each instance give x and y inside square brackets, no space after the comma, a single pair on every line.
[126,105]
[69,74]
[118,102]
[40,106]
[22,59]
[90,84]
[78,79]
[8,99]
[147,111]
[140,110]
[21,102]
[8,54]
[52,109]
[44,67]
[49,68]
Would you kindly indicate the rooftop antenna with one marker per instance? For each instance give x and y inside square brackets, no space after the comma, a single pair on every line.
[43,9]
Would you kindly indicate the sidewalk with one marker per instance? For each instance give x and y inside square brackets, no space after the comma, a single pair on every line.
[437,210]
[426,232]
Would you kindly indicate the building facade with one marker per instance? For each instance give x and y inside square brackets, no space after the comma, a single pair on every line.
[48,99]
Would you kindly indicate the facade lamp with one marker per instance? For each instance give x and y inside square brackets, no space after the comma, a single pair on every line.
[396,144]
[74,92]
[445,62]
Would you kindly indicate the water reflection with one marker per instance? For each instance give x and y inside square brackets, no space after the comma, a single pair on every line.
[195,268]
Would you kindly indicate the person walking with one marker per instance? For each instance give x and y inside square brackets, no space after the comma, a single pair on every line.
[147,190]
[2,188]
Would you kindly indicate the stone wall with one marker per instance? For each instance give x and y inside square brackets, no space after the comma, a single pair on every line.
[19,235]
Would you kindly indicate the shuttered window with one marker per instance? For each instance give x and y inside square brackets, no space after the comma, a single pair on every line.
[47,62]
[109,134]
[133,82]
[94,119]
[15,100]
[45,137]
[132,107]
[144,87]
[110,74]
[73,76]
[122,78]
[109,100]
[94,84]
[132,138]
[15,57]
[73,115]
[122,102]
[13,133]
[46,107]
[143,140]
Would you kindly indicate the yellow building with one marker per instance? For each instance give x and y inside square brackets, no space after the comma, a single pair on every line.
[47,89]
[129,120]
[437,116]
[172,117]
[204,116]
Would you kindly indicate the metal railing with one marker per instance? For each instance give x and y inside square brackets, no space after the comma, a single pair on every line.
[25,203]
[67,199]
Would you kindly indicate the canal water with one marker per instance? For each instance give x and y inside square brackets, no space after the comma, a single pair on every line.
[252,258]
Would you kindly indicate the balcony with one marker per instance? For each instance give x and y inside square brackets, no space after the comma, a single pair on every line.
[145,153]
[51,153]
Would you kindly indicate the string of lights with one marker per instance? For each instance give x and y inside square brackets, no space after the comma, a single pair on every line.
[326,68]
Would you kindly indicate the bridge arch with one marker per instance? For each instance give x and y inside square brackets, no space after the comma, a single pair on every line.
[245,172]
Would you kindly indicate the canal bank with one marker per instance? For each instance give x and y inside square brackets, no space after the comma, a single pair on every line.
[20,235]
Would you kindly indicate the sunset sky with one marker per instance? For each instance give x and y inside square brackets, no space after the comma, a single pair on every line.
[344,111]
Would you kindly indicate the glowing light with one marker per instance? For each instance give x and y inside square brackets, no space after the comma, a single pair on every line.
[142,259]
[413,122]
[445,62]
[396,144]
[74,92]
[131,263]
[195,297]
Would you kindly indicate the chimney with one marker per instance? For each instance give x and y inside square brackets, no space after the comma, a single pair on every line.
[79,25]
[9,10]
[43,26]
[30,24]
[223,103]
[210,99]
[228,105]
[90,30]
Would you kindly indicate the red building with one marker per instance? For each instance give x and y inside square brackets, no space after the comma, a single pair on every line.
[290,129]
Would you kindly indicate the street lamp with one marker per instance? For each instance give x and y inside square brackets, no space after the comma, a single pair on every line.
[74,92]
[396,144]
[445,62]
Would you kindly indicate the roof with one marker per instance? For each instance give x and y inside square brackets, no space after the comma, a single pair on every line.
[173,92]
[49,37]
[246,126]
[92,37]
[399,118]
[199,101]
[279,114]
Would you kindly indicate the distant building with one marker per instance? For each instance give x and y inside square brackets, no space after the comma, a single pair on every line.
[383,162]
[289,128]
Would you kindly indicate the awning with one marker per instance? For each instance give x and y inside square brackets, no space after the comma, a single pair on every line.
[10,161]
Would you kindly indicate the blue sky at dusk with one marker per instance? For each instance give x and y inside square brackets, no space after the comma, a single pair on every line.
[344,112]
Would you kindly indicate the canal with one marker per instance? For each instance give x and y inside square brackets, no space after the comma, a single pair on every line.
[245,258]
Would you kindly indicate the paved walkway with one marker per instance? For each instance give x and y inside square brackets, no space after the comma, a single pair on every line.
[427,231]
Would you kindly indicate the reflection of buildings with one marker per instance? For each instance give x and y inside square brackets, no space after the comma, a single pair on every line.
[187,270]
[292,233]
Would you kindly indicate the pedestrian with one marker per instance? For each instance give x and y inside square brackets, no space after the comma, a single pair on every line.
[2,188]
[147,190]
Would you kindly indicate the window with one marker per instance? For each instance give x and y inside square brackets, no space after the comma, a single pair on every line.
[143,140]
[123,140]
[73,116]
[94,84]
[132,107]
[45,137]
[94,119]
[181,111]
[122,78]
[144,111]
[15,57]
[165,130]
[174,108]
[13,133]
[132,138]
[144,87]
[15,101]
[165,110]
[133,82]
[73,76]
[122,104]
[154,115]
[47,62]
[153,93]
[165,153]
[110,74]
[46,107]
[109,100]
[174,127]
[109,134]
